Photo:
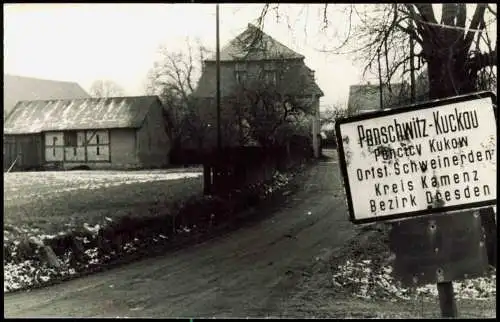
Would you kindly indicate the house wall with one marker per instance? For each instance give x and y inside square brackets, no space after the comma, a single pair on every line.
[123,149]
[92,146]
[316,127]
[54,150]
[97,149]
[366,98]
[98,141]
[152,144]
[26,148]
[254,70]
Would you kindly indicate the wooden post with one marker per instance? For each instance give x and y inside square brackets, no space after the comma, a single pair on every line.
[207,179]
[447,301]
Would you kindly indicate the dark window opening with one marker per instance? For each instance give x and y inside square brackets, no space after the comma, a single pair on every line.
[54,142]
[97,150]
[97,138]
[70,139]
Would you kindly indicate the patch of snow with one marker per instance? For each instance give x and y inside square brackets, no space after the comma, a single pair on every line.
[43,236]
[366,281]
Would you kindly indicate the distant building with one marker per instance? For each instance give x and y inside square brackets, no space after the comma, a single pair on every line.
[101,133]
[255,55]
[366,98]
[21,88]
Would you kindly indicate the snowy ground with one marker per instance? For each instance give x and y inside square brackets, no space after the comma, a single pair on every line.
[369,282]
[30,273]
[29,184]
[51,201]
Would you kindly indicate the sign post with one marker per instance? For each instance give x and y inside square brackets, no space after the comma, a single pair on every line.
[425,168]
[447,300]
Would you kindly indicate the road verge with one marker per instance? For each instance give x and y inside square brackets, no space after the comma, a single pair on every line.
[39,260]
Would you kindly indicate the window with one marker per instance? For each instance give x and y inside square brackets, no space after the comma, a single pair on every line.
[240,70]
[70,139]
[270,77]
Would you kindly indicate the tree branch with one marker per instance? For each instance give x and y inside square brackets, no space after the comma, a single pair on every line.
[461,15]
[491,10]
[426,12]
[411,32]
[483,60]
[475,23]
[448,13]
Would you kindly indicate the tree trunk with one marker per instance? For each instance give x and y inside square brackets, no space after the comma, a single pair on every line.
[448,75]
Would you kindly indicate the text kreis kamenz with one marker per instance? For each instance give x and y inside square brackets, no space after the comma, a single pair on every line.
[399,194]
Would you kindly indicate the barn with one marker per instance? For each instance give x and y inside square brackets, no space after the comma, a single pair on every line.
[100,133]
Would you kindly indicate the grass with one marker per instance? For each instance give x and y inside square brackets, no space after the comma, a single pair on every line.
[51,201]
[341,308]
[185,218]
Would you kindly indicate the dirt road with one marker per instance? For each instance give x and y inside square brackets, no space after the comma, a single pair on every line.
[247,273]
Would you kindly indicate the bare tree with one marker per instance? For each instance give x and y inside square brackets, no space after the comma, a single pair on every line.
[106,88]
[332,113]
[173,78]
[458,51]
[266,111]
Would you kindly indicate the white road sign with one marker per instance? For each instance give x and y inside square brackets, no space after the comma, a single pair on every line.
[436,157]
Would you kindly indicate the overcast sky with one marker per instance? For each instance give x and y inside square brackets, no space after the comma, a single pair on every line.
[85,42]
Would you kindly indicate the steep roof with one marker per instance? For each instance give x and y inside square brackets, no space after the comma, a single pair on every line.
[21,88]
[78,114]
[254,44]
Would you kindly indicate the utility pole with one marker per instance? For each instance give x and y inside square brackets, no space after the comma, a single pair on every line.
[380,80]
[212,168]
[217,165]
[217,66]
